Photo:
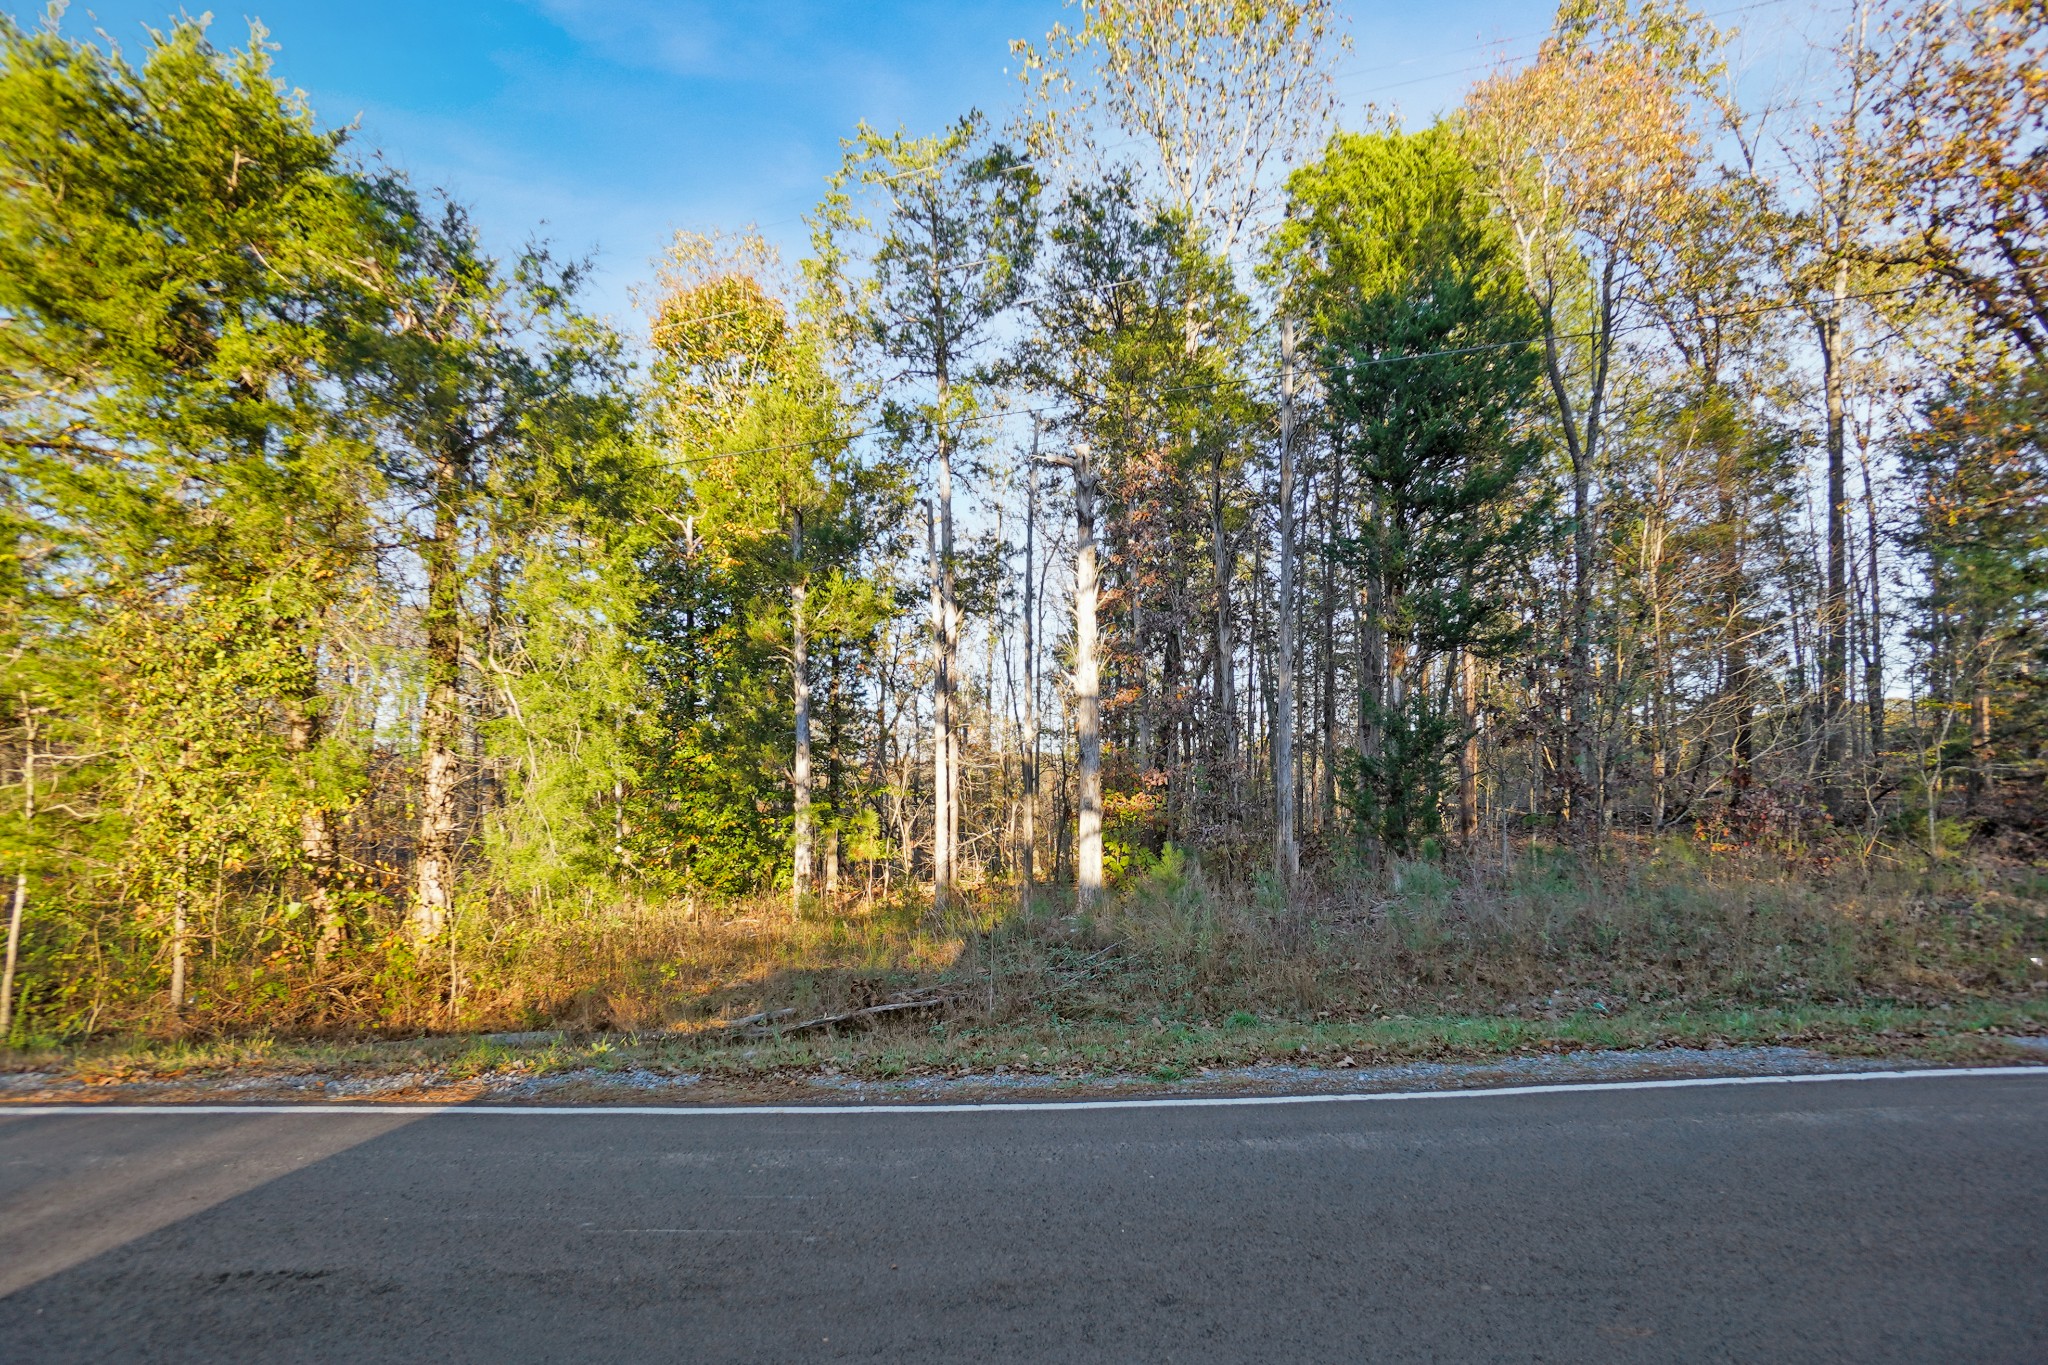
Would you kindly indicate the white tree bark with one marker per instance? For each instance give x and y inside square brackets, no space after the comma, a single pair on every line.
[942,729]
[799,657]
[1286,858]
[1087,688]
[1030,821]
[13,950]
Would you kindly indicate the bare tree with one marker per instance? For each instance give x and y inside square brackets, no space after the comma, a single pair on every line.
[1587,152]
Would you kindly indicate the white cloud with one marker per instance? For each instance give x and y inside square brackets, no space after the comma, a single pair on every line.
[674,37]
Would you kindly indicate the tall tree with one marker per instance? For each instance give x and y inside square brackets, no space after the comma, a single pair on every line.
[1838,195]
[1585,153]
[1106,348]
[1222,94]
[473,355]
[764,432]
[184,253]
[953,233]
[1978,468]
[1424,325]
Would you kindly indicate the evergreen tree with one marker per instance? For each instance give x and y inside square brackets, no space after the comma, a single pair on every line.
[1424,333]
[181,256]
[782,519]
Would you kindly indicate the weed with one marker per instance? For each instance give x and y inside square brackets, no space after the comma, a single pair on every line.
[1551,945]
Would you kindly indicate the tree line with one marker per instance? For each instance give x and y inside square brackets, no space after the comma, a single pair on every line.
[1627,454]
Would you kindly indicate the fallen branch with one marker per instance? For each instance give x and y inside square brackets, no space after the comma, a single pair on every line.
[828,1020]
[763,1017]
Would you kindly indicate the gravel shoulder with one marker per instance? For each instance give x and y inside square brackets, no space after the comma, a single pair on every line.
[956,1060]
[641,1085]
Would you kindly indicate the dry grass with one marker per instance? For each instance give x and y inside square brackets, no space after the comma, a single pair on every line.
[1549,935]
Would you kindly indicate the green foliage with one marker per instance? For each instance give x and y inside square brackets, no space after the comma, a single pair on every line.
[357,587]
[779,515]
[1979,473]
[953,226]
[206,774]
[578,732]
[181,257]
[1394,791]
[1137,326]
[1422,325]
[1424,330]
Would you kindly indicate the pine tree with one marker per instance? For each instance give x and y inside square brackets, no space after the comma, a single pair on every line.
[1424,332]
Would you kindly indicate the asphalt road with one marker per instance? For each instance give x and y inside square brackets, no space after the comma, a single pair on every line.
[1857,1221]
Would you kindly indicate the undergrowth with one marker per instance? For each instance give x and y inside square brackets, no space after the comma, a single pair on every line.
[1546,935]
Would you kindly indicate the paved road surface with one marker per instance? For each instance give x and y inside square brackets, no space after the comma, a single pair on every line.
[1857,1221]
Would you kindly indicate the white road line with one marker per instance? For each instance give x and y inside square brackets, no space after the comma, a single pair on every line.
[283,1107]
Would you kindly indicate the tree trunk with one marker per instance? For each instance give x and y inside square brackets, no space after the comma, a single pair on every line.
[1087,688]
[1062,843]
[1980,743]
[800,668]
[1660,688]
[1372,665]
[28,825]
[1834,681]
[1583,447]
[1226,647]
[441,725]
[1141,658]
[1468,752]
[1285,858]
[13,955]
[950,650]
[1580,736]
[1028,852]
[942,767]
[1735,656]
[1333,500]
[1873,666]
[180,925]
[317,847]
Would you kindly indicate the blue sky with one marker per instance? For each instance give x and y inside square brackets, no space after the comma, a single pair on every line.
[606,124]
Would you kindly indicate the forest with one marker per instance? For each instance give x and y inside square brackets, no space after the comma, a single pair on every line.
[1171,551]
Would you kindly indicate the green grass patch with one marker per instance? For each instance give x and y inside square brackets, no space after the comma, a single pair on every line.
[1080,1050]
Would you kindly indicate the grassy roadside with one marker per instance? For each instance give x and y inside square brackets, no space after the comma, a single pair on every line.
[1970,1032]
[1551,952]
